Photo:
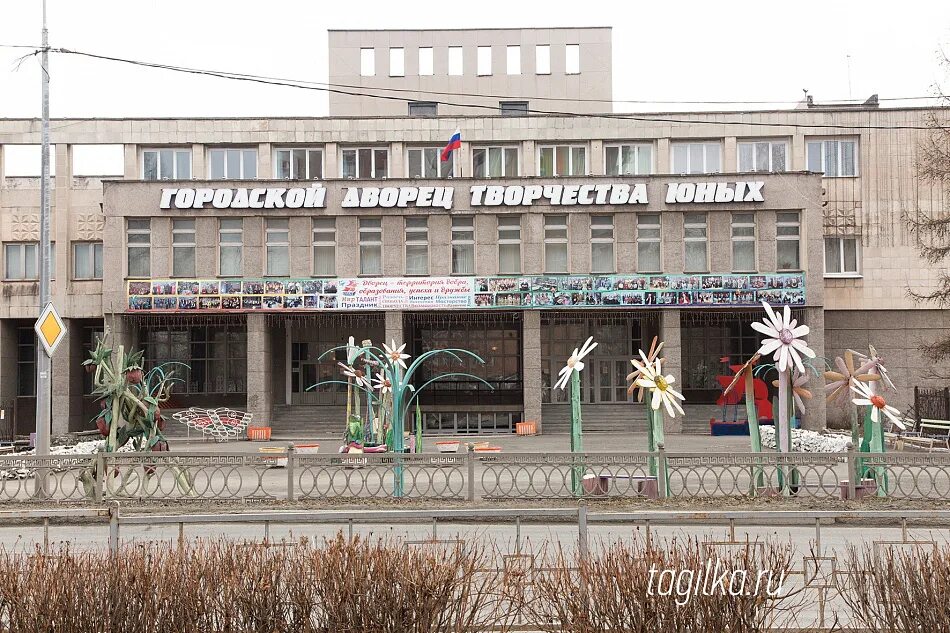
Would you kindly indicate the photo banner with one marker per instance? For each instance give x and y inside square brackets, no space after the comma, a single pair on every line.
[450,293]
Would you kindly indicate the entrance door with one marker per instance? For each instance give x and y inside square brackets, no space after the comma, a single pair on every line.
[609,379]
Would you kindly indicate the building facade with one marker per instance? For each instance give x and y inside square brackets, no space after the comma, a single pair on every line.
[248,248]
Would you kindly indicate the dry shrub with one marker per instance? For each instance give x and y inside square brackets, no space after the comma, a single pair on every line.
[611,590]
[224,587]
[897,590]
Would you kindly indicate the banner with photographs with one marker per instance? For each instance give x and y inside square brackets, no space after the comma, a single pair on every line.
[427,293]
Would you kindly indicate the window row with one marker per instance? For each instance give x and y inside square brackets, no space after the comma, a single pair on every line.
[833,158]
[22,261]
[455,60]
[841,255]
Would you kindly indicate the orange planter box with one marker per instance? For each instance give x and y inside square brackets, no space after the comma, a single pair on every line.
[258,433]
[526,428]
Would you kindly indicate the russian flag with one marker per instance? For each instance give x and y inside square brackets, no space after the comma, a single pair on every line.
[454,143]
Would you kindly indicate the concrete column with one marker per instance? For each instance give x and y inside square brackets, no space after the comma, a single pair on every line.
[59,224]
[260,397]
[394,331]
[121,331]
[331,167]
[397,164]
[662,164]
[198,162]
[670,335]
[730,159]
[529,161]
[131,169]
[64,388]
[264,168]
[797,160]
[595,162]
[531,365]
[463,160]
[815,414]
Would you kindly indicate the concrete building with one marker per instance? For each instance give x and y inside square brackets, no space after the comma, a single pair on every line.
[247,248]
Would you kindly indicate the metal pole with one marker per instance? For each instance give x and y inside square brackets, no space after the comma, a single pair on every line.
[43,364]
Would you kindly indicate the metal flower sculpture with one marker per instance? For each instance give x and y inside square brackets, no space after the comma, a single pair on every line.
[799,393]
[747,376]
[571,372]
[838,388]
[877,410]
[396,391]
[652,356]
[652,378]
[787,347]
[131,407]
[878,406]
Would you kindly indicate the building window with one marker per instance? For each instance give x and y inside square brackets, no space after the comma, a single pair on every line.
[542,59]
[648,243]
[299,164]
[367,62]
[324,246]
[397,62]
[513,60]
[513,108]
[87,260]
[562,160]
[183,247]
[22,260]
[139,247]
[696,158]
[572,59]
[166,164]
[233,164]
[495,162]
[602,244]
[371,246]
[426,65]
[743,242]
[628,159]
[694,242]
[834,158]
[463,245]
[555,243]
[417,246]
[842,257]
[709,347]
[483,59]
[426,162]
[509,244]
[214,357]
[763,156]
[455,61]
[787,240]
[230,246]
[365,162]
[26,362]
[423,108]
[277,241]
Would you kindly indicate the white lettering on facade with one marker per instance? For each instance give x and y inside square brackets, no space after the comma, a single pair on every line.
[259,198]
[705,192]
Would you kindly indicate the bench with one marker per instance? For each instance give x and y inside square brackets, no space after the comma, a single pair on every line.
[929,432]
[221,424]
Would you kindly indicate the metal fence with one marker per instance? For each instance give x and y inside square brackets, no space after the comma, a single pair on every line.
[470,477]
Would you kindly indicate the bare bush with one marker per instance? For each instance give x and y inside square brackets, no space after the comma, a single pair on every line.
[897,590]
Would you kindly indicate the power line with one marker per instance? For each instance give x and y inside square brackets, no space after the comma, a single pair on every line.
[329,88]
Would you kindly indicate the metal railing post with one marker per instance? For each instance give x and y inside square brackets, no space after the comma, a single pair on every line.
[291,455]
[470,463]
[114,528]
[98,483]
[661,466]
[582,544]
[852,471]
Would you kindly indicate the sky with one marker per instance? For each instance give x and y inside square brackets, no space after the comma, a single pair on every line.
[662,51]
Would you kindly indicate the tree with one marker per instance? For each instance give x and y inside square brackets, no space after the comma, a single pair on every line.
[932,232]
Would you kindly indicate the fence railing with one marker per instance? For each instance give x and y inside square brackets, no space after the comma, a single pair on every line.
[291,476]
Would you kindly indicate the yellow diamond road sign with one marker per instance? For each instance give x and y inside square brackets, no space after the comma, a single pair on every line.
[50,329]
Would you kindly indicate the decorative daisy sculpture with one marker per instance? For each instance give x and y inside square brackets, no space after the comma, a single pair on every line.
[838,388]
[571,372]
[785,344]
[652,378]
[799,393]
[878,406]
[651,356]
[395,354]
[747,376]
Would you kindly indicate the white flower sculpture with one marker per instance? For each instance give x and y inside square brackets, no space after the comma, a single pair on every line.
[358,375]
[395,354]
[877,403]
[382,383]
[652,378]
[784,340]
[574,363]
